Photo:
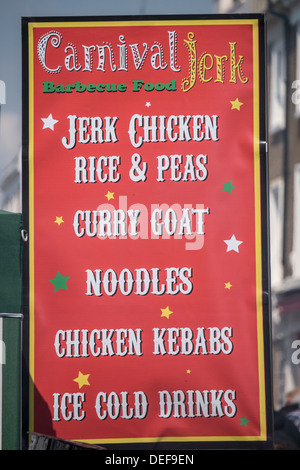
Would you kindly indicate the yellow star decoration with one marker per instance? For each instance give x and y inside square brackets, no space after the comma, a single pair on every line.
[59,220]
[188,371]
[109,195]
[236,104]
[228,285]
[82,379]
[166,312]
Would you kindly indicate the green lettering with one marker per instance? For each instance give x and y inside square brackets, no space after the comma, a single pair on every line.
[111,87]
[149,86]
[69,88]
[159,86]
[122,87]
[91,87]
[60,88]
[171,86]
[100,87]
[137,84]
[48,87]
[80,87]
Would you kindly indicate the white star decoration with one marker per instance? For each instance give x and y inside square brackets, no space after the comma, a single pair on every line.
[49,122]
[233,244]
[148,104]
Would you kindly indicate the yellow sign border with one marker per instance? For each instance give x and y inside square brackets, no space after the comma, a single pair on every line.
[257,202]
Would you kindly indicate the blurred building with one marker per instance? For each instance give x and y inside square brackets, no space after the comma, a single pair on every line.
[10,176]
[283,71]
[283,76]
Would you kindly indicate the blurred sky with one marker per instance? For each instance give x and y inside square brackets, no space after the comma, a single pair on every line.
[11,12]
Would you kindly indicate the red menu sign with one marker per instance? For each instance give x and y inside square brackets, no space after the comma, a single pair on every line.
[146,215]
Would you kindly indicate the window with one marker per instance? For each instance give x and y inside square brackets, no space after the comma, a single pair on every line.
[296,233]
[296,83]
[276,230]
[277,86]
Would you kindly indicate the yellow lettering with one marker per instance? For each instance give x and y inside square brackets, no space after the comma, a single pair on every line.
[189,82]
[203,67]
[220,68]
[236,67]
[216,64]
